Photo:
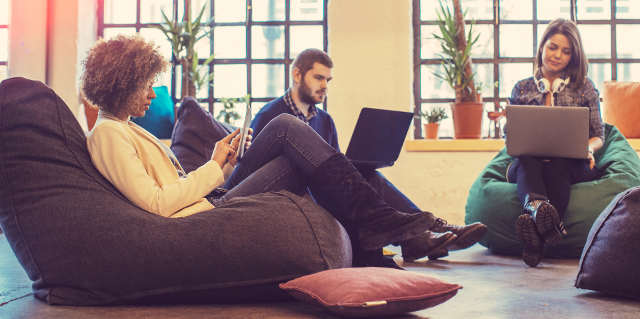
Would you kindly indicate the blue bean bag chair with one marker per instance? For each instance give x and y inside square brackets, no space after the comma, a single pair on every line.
[494,202]
[82,242]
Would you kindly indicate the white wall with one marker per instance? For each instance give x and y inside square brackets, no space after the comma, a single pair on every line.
[72,29]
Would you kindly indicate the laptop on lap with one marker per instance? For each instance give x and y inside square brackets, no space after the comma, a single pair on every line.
[559,131]
[378,137]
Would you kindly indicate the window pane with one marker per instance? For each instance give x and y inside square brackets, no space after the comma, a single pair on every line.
[268,10]
[203,48]
[119,11]
[552,9]
[267,42]
[446,126]
[229,42]
[478,9]
[238,107]
[230,80]
[164,78]
[196,6]
[428,9]
[267,80]
[510,73]
[4,40]
[541,28]
[596,40]
[304,37]
[151,10]
[157,37]
[230,11]
[112,32]
[516,40]
[626,9]
[432,86]
[430,47]
[3,72]
[598,73]
[484,47]
[484,78]
[628,72]
[307,9]
[516,10]
[627,40]
[592,10]
[4,12]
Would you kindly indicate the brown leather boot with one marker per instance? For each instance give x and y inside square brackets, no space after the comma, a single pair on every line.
[531,240]
[427,244]
[546,219]
[467,235]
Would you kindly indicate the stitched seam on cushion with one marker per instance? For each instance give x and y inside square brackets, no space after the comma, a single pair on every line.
[313,231]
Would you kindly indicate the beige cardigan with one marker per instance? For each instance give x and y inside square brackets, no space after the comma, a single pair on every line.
[136,163]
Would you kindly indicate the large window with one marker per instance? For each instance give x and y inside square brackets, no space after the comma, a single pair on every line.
[509,32]
[254,41]
[4,38]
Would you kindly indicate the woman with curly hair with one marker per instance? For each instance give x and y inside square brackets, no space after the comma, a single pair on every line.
[287,154]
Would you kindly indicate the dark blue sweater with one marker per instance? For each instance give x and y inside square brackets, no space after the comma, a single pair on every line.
[321,123]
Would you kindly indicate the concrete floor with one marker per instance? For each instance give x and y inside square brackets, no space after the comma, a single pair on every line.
[494,287]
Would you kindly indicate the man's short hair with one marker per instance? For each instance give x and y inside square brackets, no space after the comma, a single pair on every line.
[305,60]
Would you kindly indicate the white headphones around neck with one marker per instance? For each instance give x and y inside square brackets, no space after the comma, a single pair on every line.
[543,84]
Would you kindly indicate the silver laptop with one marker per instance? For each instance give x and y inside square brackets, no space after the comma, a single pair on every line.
[560,131]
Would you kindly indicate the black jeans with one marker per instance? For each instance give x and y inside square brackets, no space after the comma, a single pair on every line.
[549,178]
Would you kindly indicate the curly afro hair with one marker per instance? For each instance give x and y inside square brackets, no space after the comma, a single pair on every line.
[116,69]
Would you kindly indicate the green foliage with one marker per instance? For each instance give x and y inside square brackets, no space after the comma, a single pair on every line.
[183,36]
[454,61]
[435,115]
[228,114]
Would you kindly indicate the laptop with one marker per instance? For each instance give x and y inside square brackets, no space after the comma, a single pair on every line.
[378,137]
[560,131]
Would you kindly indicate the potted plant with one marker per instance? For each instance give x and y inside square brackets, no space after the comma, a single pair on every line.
[456,48]
[183,36]
[433,118]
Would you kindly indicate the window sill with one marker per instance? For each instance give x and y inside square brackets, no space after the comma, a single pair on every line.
[470,145]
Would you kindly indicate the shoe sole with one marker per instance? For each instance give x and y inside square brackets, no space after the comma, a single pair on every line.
[435,252]
[468,238]
[547,221]
[527,232]
[409,230]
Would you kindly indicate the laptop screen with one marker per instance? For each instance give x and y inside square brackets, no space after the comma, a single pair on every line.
[378,137]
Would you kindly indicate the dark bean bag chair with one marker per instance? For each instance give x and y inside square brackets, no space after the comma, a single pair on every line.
[494,202]
[610,259]
[83,243]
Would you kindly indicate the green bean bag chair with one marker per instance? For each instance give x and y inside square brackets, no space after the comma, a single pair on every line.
[494,202]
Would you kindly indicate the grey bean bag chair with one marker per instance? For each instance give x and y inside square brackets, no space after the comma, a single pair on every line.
[610,259]
[83,243]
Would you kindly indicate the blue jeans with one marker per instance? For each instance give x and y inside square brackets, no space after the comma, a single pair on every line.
[283,156]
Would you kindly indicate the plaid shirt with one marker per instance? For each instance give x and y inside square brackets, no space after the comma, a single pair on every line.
[525,92]
[295,111]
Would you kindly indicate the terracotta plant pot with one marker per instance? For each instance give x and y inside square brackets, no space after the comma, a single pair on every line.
[467,119]
[431,130]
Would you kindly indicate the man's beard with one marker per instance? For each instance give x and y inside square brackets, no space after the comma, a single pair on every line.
[306,95]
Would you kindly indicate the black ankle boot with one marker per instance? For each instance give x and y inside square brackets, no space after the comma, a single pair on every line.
[427,244]
[341,189]
[546,219]
[467,235]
